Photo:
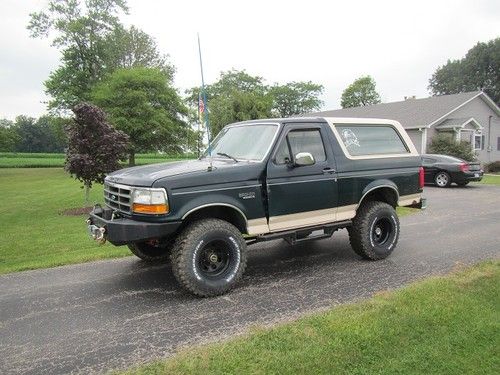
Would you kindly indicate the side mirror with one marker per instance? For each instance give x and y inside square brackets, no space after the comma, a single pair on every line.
[303,159]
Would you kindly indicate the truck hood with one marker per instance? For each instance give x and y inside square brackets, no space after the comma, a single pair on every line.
[146,175]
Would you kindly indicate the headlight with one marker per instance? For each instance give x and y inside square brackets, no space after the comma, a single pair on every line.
[150,201]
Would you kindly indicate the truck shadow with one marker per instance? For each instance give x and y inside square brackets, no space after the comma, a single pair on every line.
[275,260]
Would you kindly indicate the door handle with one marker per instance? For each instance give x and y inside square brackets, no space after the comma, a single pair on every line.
[328,170]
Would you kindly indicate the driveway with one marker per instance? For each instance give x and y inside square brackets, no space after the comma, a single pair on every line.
[98,316]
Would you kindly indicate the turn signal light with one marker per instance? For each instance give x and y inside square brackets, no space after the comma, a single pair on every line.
[156,209]
[464,167]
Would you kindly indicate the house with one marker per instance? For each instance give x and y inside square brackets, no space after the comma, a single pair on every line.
[469,116]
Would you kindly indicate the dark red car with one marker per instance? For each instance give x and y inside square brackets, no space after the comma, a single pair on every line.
[443,170]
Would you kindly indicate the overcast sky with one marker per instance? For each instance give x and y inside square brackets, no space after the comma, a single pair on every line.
[398,43]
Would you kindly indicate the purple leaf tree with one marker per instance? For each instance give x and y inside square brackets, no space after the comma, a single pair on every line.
[95,147]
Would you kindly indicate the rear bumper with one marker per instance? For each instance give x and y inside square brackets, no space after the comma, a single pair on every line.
[120,231]
[468,176]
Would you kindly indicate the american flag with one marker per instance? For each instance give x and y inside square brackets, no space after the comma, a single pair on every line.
[201,108]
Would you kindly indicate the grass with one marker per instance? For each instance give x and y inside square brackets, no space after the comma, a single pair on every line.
[405,211]
[490,180]
[47,160]
[34,234]
[443,325]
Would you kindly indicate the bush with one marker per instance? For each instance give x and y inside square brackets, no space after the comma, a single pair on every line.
[446,145]
[493,166]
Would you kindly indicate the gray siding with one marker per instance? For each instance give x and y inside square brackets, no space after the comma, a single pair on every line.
[480,111]
[416,137]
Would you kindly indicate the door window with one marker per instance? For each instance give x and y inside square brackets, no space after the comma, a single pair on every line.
[301,141]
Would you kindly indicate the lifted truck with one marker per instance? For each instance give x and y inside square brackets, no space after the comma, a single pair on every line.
[298,179]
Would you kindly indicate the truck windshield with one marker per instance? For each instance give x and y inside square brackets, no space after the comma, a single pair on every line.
[247,142]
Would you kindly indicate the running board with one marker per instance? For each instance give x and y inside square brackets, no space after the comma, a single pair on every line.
[303,234]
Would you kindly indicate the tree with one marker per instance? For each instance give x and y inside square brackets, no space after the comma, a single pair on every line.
[360,93]
[239,96]
[8,136]
[478,70]
[31,137]
[295,98]
[81,30]
[94,146]
[142,103]
[93,44]
[235,96]
[132,48]
[39,135]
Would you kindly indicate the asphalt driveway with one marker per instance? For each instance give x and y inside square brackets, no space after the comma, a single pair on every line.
[111,314]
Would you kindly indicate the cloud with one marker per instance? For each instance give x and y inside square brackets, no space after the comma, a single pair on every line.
[399,43]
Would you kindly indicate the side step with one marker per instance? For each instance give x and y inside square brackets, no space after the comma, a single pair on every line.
[303,234]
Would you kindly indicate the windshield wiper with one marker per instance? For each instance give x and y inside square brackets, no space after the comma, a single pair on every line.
[227,156]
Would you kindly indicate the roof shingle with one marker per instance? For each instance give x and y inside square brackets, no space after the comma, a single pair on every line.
[410,113]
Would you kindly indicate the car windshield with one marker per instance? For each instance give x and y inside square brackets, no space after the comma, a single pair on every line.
[247,142]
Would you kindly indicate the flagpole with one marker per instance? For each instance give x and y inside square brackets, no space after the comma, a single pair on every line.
[204,95]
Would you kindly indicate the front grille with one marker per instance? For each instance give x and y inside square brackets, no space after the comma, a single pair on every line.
[117,197]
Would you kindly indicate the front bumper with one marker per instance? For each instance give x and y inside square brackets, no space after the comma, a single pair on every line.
[120,231]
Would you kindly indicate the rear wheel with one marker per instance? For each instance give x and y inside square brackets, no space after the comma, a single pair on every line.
[375,230]
[209,257]
[442,179]
[151,251]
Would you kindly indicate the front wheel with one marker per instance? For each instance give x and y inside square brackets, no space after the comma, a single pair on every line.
[442,179]
[375,230]
[209,257]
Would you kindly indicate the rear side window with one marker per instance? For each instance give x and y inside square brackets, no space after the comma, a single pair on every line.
[371,139]
[301,141]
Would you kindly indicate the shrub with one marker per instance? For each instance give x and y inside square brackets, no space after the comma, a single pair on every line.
[446,145]
[493,166]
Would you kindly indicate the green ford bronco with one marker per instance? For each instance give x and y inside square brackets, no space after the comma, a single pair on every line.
[297,179]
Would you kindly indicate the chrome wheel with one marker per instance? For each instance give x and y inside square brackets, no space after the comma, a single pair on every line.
[442,179]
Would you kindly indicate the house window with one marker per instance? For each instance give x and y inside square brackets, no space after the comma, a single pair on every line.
[478,142]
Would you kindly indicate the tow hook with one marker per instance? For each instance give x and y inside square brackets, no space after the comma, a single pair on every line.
[97,233]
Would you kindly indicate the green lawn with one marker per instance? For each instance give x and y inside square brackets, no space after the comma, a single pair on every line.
[46,160]
[405,211]
[443,325]
[490,180]
[33,233]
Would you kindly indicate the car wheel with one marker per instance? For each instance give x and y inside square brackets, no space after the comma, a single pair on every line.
[375,230]
[151,252]
[209,257]
[442,179]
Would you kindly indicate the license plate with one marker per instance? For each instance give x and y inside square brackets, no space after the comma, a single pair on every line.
[476,174]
